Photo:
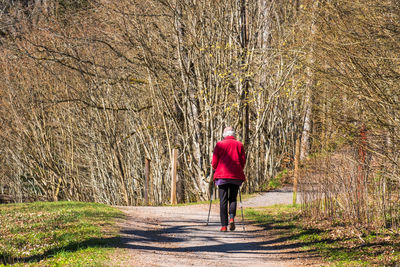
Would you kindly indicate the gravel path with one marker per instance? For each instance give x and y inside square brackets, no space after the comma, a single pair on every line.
[281,196]
[178,236]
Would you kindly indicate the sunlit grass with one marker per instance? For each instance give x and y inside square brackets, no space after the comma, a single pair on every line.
[56,233]
[339,247]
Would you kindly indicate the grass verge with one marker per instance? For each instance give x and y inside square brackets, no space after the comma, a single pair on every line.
[57,233]
[338,245]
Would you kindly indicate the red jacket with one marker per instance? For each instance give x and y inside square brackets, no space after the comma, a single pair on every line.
[229,159]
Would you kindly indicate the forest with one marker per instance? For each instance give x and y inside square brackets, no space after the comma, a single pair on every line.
[91,89]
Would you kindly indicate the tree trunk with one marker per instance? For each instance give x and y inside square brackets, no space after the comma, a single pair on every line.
[305,139]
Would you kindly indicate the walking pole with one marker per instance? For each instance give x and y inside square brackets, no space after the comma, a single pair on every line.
[241,208]
[211,195]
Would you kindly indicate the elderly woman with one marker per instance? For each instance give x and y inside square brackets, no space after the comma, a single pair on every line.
[228,162]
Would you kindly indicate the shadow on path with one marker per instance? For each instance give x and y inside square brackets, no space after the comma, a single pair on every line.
[191,235]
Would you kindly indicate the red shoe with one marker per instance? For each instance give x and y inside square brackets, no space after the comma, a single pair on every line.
[223,229]
[232,224]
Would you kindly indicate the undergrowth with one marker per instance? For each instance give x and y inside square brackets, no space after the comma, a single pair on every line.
[339,245]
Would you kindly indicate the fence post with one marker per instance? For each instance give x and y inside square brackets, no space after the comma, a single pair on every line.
[173,174]
[362,153]
[296,170]
[146,181]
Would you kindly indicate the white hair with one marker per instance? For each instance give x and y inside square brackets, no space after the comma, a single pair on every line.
[229,133]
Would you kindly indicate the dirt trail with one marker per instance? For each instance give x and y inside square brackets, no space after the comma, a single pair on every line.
[178,236]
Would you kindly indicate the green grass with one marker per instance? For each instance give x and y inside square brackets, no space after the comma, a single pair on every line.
[276,182]
[57,233]
[339,246]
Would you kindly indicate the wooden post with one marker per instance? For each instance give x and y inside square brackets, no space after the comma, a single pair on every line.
[296,170]
[173,174]
[146,181]
[362,153]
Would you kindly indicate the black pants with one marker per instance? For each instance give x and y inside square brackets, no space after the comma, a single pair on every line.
[227,192]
